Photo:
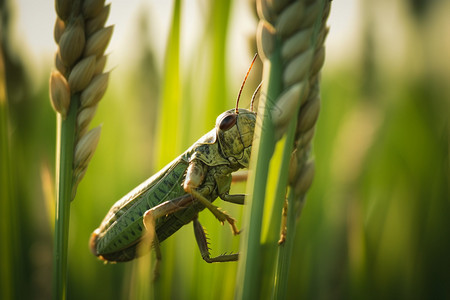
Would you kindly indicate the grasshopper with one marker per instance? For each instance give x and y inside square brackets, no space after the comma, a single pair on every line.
[174,196]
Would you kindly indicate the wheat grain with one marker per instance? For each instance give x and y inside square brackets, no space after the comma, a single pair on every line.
[98,22]
[98,41]
[265,45]
[95,90]
[308,115]
[81,74]
[295,44]
[288,100]
[288,20]
[305,178]
[85,148]
[59,93]
[100,65]
[72,41]
[298,68]
[92,8]
[84,118]
[63,8]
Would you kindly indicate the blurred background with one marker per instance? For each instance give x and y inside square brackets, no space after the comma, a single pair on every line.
[376,223]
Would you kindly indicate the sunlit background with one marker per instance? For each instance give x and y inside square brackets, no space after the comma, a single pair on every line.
[376,224]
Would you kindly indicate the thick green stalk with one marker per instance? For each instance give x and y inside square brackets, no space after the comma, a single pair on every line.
[280,194]
[65,155]
[249,272]
[270,241]
[273,235]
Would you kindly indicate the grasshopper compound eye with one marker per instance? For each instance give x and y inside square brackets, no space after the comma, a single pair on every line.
[227,122]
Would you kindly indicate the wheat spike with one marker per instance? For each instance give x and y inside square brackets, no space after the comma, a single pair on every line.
[82,38]
[303,54]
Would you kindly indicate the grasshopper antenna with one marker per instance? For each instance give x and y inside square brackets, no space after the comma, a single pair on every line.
[243,83]
[254,95]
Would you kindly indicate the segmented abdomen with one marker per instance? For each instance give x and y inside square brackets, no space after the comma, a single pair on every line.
[122,228]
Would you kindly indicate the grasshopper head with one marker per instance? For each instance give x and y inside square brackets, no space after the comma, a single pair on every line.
[235,129]
[235,134]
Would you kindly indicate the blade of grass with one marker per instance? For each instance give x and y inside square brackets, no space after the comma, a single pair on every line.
[217,90]
[6,216]
[171,94]
[168,128]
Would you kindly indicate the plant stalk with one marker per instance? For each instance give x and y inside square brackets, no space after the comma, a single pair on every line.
[285,249]
[65,155]
[6,196]
[249,270]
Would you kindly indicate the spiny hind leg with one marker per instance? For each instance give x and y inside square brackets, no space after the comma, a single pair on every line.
[164,209]
[202,243]
[158,258]
[150,217]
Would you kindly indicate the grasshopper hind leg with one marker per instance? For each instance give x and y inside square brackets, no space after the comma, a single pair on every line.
[150,217]
[202,242]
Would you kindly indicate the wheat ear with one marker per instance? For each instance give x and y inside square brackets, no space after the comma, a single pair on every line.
[76,87]
[297,29]
[80,60]
[290,40]
[302,56]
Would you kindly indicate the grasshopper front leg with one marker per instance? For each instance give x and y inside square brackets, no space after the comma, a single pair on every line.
[220,215]
[195,176]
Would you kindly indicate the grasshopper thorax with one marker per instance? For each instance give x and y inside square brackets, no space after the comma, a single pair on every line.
[235,134]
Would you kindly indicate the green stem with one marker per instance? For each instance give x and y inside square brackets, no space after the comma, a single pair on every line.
[65,156]
[285,249]
[6,196]
[249,273]
[168,124]
[270,241]
[280,194]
